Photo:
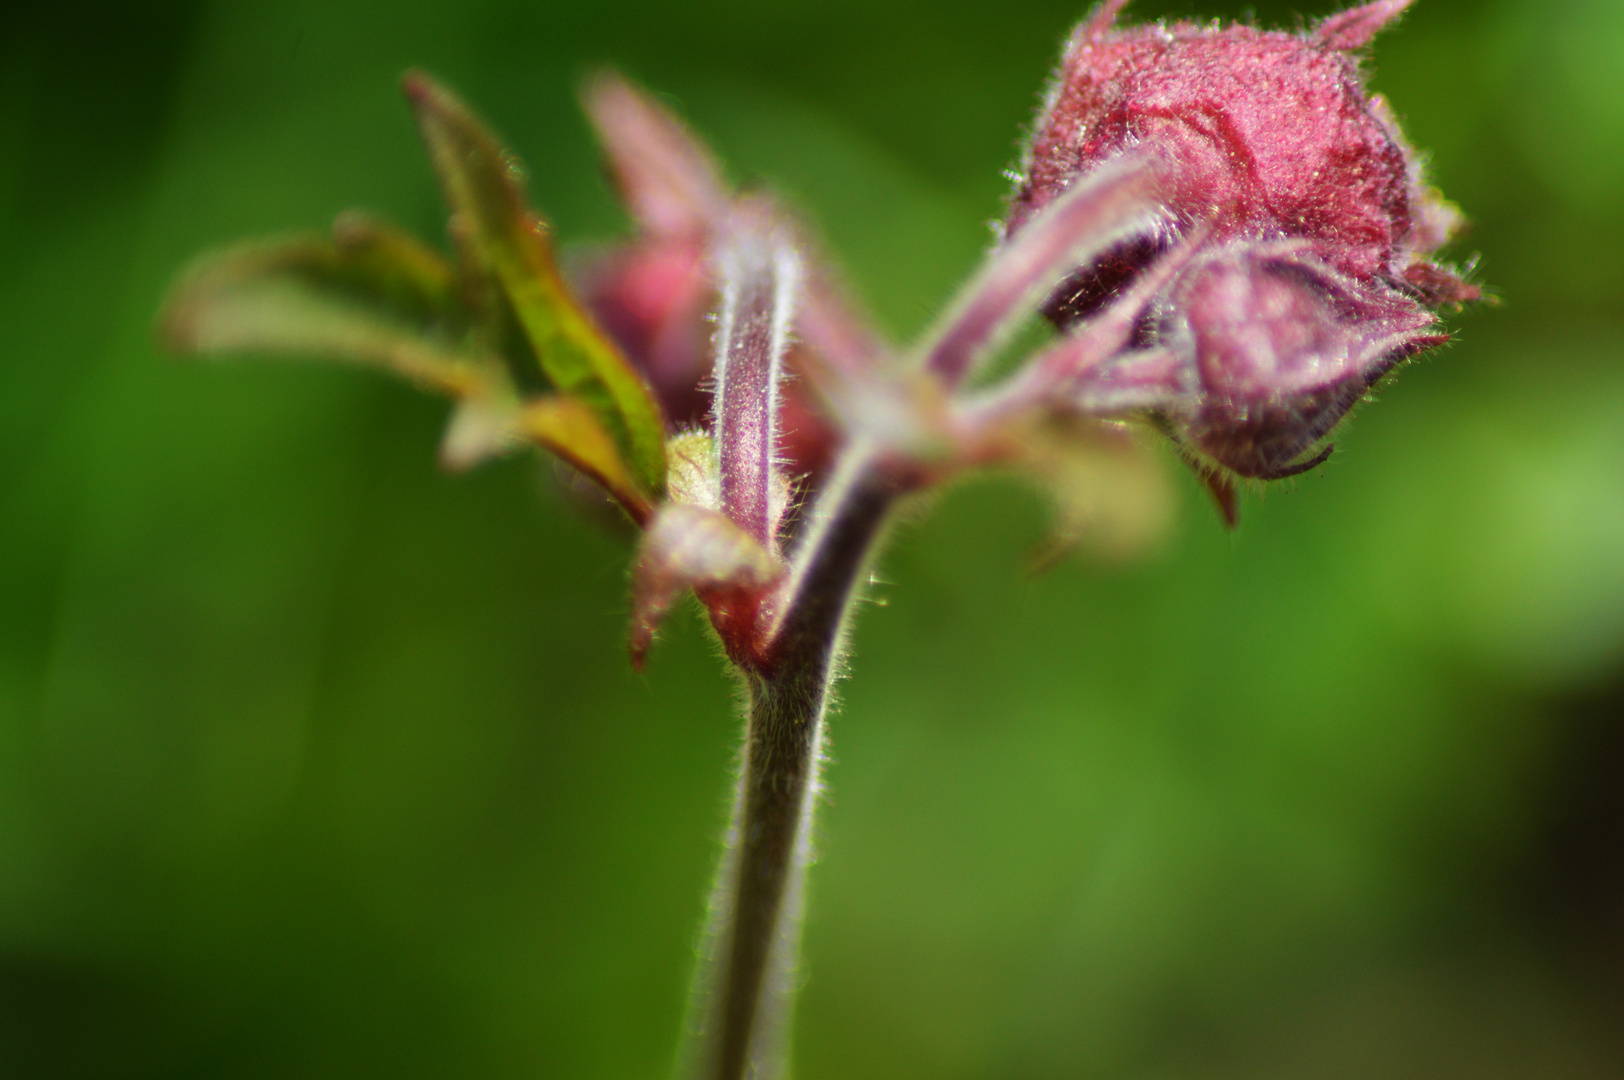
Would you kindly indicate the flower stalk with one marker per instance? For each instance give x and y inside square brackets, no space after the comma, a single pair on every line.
[748,981]
[1228,233]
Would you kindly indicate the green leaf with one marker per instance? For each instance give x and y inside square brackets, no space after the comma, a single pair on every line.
[368,295]
[480,428]
[372,295]
[398,267]
[485,427]
[510,244]
[570,428]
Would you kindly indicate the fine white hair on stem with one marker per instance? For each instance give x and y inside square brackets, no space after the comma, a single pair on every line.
[759,274]
[1114,202]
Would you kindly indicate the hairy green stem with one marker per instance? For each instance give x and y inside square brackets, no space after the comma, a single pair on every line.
[744,997]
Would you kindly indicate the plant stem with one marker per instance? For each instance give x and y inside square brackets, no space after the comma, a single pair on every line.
[755,931]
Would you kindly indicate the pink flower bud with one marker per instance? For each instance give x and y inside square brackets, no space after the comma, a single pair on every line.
[1282,347]
[1321,225]
[652,297]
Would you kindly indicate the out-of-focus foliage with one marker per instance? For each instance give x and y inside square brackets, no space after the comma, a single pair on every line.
[316,761]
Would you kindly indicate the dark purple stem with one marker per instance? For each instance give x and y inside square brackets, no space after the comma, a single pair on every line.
[756,910]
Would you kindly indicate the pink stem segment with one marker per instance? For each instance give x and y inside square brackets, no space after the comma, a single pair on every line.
[760,276]
[1114,202]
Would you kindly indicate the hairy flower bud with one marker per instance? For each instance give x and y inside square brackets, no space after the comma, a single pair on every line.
[1315,208]
[652,298]
[1282,347]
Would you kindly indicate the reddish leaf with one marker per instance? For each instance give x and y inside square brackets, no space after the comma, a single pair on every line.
[692,547]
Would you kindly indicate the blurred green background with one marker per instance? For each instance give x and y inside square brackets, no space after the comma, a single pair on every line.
[317,762]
